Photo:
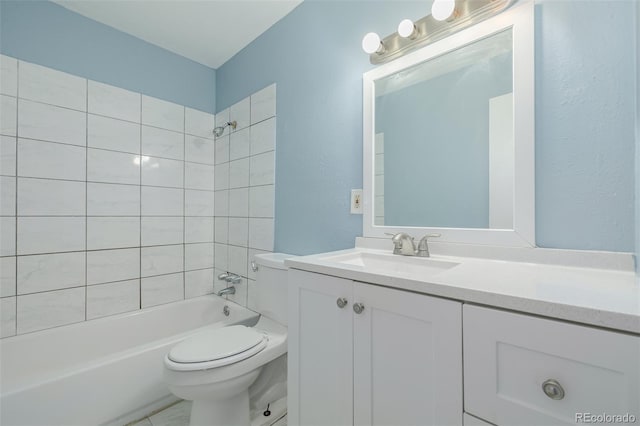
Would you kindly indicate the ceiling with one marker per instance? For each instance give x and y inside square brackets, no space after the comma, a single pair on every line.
[207,31]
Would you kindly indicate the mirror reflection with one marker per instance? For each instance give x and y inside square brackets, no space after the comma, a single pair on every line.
[444,154]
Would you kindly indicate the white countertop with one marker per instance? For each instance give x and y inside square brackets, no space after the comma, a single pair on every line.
[599,297]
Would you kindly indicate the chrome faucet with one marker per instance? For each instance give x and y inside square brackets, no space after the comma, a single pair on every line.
[230,277]
[404,244]
[228,290]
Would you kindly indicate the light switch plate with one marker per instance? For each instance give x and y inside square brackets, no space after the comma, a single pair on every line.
[356,201]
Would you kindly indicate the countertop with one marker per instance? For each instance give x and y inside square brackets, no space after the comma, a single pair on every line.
[598,297]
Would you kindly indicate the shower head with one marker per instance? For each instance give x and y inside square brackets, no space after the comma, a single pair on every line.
[218,131]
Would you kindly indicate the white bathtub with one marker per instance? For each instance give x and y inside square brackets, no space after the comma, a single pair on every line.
[105,371]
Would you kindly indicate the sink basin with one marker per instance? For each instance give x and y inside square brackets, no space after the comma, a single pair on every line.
[395,265]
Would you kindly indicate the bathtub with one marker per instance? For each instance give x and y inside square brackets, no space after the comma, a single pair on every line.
[101,372]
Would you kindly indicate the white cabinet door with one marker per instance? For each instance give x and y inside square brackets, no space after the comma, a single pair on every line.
[320,383]
[407,358]
[509,358]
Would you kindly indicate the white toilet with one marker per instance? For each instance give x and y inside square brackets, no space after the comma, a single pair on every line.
[215,368]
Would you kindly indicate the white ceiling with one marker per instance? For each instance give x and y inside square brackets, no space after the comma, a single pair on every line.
[207,31]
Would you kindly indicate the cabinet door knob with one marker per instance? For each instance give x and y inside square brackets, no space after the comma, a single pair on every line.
[553,389]
[341,302]
[358,308]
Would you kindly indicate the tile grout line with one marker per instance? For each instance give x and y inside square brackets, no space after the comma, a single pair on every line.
[15,330]
[140,211]
[86,205]
[184,200]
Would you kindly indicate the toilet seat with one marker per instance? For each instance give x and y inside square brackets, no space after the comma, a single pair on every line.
[216,348]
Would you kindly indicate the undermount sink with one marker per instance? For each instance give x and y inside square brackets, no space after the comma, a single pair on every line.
[396,265]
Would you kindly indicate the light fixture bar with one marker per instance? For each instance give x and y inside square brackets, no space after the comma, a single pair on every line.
[429,30]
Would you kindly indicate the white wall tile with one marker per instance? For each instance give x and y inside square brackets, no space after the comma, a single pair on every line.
[162,289]
[51,160]
[239,144]
[199,150]
[7,196]
[262,169]
[221,231]
[50,234]
[8,115]
[239,173]
[222,117]
[162,201]
[113,134]
[221,259]
[113,298]
[241,112]
[198,283]
[238,260]
[161,260]
[198,203]
[7,155]
[112,265]
[110,199]
[238,231]
[7,236]
[239,202]
[112,101]
[261,234]
[221,177]
[112,167]
[198,229]
[7,317]
[263,136]
[162,230]
[263,104]
[162,143]
[51,123]
[43,197]
[43,84]
[163,114]
[112,232]
[162,172]
[8,76]
[198,256]
[261,201]
[199,176]
[8,275]
[198,123]
[50,272]
[222,150]
[221,203]
[51,309]
[252,295]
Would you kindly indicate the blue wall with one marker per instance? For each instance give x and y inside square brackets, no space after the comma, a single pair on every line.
[47,34]
[585,97]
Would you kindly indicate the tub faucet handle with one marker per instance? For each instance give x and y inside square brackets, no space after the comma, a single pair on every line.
[223,276]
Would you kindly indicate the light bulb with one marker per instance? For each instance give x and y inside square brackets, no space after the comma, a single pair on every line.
[371,43]
[407,29]
[442,9]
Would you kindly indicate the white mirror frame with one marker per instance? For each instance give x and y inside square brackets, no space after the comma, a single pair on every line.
[520,18]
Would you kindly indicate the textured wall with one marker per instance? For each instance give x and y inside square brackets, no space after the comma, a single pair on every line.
[585,97]
[46,34]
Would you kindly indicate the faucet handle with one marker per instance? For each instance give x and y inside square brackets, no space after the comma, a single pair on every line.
[423,246]
[223,276]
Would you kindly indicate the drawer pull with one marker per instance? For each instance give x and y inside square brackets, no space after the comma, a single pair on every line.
[553,389]
[341,302]
[358,308]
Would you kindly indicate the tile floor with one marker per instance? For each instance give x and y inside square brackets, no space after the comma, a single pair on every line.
[178,415]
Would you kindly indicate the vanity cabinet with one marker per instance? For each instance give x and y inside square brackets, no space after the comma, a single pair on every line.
[369,355]
[524,370]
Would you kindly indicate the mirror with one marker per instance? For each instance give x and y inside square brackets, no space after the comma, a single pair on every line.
[449,137]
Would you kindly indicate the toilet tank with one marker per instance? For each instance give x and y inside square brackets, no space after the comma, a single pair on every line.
[271,286]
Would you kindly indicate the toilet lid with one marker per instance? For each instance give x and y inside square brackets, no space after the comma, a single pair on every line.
[217,344]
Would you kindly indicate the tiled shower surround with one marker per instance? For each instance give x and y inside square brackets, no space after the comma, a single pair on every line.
[108,197]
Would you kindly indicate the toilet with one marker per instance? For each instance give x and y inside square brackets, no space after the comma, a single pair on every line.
[216,368]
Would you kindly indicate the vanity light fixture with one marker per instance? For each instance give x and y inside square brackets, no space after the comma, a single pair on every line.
[372,44]
[446,18]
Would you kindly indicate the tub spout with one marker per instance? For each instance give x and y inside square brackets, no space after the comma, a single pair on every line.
[228,290]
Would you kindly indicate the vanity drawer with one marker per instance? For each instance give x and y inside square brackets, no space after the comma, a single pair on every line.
[509,357]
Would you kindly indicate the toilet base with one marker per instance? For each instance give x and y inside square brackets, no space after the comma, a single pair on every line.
[232,411]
